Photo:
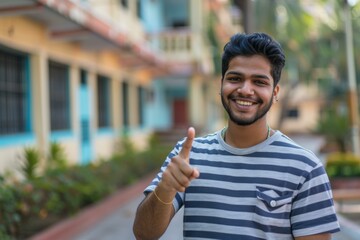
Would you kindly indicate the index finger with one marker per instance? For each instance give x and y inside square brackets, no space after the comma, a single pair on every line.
[186,147]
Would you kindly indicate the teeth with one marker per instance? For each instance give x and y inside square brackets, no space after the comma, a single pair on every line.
[244,103]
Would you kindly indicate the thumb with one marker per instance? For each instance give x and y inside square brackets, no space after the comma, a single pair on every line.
[187,145]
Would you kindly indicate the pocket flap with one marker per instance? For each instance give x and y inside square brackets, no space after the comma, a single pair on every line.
[273,198]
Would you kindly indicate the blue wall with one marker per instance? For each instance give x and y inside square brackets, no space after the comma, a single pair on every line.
[160,14]
[152,15]
[176,11]
[156,16]
[158,110]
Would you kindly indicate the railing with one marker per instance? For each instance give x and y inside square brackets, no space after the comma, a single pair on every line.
[183,47]
[174,44]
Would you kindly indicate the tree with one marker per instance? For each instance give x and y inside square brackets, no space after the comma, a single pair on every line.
[312,35]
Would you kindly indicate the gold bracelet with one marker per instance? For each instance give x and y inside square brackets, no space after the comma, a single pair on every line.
[166,203]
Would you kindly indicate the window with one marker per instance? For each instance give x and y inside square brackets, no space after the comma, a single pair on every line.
[124,3]
[103,92]
[125,103]
[141,95]
[59,96]
[14,94]
[176,14]
[138,9]
[292,113]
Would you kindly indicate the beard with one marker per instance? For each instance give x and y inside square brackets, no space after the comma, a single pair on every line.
[245,121]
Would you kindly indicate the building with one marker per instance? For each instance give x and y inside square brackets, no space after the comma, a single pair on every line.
[85,73]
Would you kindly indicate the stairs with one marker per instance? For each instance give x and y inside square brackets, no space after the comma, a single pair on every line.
[171,136]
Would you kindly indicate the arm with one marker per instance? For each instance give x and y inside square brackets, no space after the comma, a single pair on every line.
[156,211]
[325,236]
[152,216]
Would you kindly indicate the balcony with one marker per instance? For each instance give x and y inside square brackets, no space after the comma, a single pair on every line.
[183,48]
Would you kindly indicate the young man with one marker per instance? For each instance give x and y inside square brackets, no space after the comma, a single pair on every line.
[246,181]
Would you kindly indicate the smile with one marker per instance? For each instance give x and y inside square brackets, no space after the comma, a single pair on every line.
[244,103]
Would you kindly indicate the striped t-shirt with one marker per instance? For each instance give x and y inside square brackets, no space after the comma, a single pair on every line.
[274,190]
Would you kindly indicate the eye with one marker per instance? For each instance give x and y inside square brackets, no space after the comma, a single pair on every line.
[234,79]
[260,82]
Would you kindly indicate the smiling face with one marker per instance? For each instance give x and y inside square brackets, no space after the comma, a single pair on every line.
[247,89]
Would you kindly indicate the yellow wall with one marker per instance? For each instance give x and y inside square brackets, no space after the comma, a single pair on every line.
[31,37]
[307,119]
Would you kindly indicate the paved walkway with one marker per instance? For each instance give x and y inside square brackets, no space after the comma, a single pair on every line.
[118,226]
[113,219]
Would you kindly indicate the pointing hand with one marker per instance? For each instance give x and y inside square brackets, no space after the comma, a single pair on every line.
[179,173]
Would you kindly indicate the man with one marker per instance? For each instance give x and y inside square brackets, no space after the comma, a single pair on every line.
[246,181]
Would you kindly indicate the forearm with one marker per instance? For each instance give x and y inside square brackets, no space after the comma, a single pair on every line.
[156,211]
[324,236]
[153,216]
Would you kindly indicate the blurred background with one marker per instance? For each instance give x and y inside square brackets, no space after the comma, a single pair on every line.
[95,93]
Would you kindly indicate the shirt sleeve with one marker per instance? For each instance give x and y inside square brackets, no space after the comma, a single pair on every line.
[179,197]
[313,209]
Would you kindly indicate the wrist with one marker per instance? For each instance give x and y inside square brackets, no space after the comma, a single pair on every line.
[163,194]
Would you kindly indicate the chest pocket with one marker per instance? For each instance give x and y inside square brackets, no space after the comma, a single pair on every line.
[272,207]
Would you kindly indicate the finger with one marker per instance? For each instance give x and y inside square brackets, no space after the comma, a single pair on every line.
[181,165]
[182,181]
[186,147]
[195,174]
[170,182]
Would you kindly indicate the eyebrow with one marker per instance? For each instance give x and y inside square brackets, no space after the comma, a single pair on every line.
[254,75]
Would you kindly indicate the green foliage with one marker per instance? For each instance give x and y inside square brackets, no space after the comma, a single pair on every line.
[10,218]
[32,205]
[57,156]
[214,41]
[31,162]
[138,163]
[314,45]
[335,127]
[343,165]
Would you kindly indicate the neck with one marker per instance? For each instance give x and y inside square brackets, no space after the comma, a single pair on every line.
[246,136]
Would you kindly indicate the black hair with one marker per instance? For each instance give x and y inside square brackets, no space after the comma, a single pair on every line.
[242,44]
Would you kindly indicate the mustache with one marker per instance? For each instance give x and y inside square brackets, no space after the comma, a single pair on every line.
[242,97]
[235,96]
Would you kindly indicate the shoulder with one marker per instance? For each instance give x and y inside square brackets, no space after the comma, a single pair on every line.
[289,148]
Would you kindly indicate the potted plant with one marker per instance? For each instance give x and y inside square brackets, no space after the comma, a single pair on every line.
[343,170]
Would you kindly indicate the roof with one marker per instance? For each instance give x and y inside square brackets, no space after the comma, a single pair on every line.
[68,21]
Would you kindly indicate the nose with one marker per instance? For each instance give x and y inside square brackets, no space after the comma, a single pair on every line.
[245,88]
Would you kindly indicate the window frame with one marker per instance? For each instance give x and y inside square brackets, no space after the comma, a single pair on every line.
[103,102]
[141,93]
[125,104]
[62,131]
[24,131]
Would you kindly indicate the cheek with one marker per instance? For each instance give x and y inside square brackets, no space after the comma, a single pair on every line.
[267,96]
[226,89]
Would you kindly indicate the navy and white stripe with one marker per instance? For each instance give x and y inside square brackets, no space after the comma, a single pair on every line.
[274,190]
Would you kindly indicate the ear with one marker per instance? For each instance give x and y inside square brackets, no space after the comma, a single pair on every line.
[276,93]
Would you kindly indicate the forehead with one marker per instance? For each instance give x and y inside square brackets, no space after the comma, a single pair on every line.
[256,64]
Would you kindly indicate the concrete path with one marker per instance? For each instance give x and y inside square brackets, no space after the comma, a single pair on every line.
[118,225]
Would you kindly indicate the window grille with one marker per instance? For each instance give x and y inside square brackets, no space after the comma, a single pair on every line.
[103,92]
[59,96]
[141,94]
[125,103]
[14,93]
